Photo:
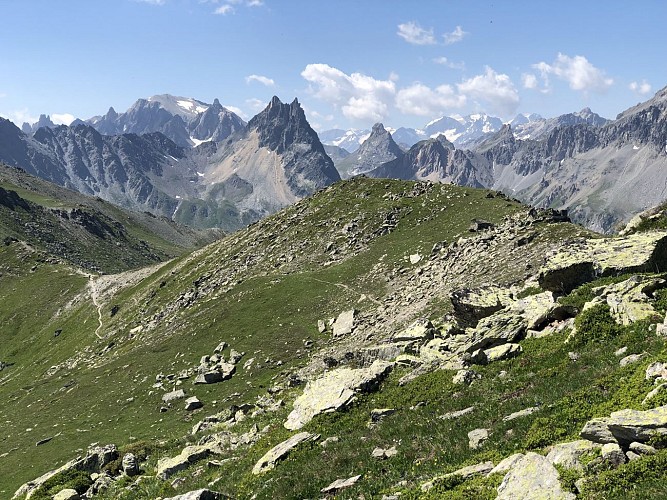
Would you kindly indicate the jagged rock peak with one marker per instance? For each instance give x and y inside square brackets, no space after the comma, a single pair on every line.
[111,114]
[216,103]
[378,128]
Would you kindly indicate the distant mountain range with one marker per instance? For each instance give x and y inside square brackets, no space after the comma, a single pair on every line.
[195,163]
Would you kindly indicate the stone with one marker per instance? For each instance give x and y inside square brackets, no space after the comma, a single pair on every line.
[465,472]
[378,414]
[501,352]
[655,370]
[130,465]
[202,494]
[415,258]
[576,263]
[193,403]
[173,395]
[532,477]
[472,305]
[344,323]
[620,352]
[613,454]
[220,347]
[569,454]
[421,330]
[655,392]
[234,357]
[339,484]
[66,494]
[642,448]
[506,464]
[321,326]
[631,455]
[95,458]
[521,413]
[334,390]
[632,358]
[382,454]
[626,426]
[464,377]
[537,309]
[220,372]
[499,328]
[280,451]
[456,414]
[328,441]
[167,467]
[477,437]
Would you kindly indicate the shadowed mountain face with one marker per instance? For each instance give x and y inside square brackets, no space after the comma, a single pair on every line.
[379,148]
[257,170]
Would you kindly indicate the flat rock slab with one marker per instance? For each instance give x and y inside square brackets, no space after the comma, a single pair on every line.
[167,467]
[532,477]
[464,472]
[280,451]
[580,262]
[506,464]
[569,454]
[339,484]
[344,323]
[626,426]
[173,395]
[521,413]
[67,494]
[335,390]
[628,300]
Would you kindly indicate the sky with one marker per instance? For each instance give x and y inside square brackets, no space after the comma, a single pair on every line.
[350,63]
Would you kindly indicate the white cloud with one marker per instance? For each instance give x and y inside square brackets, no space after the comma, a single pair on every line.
[152,2]
[358,96]
[413,33]
[255,3]
[255,104]
[529,81]
[62,119]
[18,117]
[455,36]
[419,99]
[577,71]
[449,64]
[260,79]
[495,90]
[642,88]
[223,10]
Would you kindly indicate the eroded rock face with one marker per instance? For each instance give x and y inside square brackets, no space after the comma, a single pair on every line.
[579,262]
[532,477]
[280,451]
[335,390]
[472,305]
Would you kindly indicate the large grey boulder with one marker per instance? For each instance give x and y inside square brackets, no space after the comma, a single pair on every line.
[130,465]
[334,390]
[173,396]
[626,426]
[167,467]
[532,477]
[339,484]
[499,328]
[472,305]
[219,372]
[576,263]
[344,323]
[66,494]
[280,451]
[569,454]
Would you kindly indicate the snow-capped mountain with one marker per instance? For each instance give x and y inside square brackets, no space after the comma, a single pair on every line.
[379,148]
[534,126]
[350,140]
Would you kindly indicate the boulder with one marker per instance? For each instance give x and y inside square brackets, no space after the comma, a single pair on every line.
[173,395]
[339,484]
[280,451]
[521,413]
[655,392]
[628,300]
[378,414]
[202,494]
[642,448]
[569,454]
[532,477]
[130,464]
[421,331]
[383,453]
[613,454]
[506,464]
[499,328]
[464,377]
[456,414]
[472,305]
[334,390]
[219,372]
[626,426]
[632,358]
[220,347]
[499,353]
[193,403]
[344,323]
[167,467]
[66,494]
[576,263]
[477,437]
[655,370]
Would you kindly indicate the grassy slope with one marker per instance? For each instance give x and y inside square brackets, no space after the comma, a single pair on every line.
[263,291]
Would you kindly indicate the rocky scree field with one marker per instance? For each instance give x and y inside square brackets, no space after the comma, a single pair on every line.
[370,340]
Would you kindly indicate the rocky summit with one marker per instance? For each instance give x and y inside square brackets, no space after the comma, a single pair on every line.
[382,338]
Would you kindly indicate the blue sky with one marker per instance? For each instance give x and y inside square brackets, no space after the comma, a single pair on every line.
[350,62]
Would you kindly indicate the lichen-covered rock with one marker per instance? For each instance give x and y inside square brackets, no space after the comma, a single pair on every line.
[506,464]
[655,370]
[340,484]
[130,464]
[613,454]
[532,477]
[334,390]
[628,300]
[569,454]
[167,467]
[465,472]
[173,395]
[626,426]
[498,353]
[576,263]
[66,494]
[280,451]
[499,328]
[472,305]
[202,494]
[477,437]
[421,330]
